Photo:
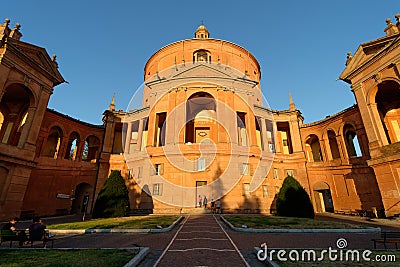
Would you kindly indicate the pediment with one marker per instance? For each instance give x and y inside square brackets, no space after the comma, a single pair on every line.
[202,70]
[38,58]
[367,52]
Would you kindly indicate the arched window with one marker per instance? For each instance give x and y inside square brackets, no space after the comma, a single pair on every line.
[333,145]
[53,143]
[13,108]
[352,143]
[388,103]
[200,117]
[91,148]
[202,56]
[72,146]
[313,149]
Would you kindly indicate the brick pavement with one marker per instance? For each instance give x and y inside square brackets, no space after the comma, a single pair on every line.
[201,241]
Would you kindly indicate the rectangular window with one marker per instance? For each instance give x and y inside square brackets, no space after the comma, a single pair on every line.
[201,164]
[245,169]
[139,173]
[159,169]
[129,174]
[134,132]
[159,137]
[241,124]
[157,189]
[290,173]
[270,135]
[246,189]
[265,191]
[276,174]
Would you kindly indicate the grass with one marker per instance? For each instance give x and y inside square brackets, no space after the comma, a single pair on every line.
[386,255]
[133,222]
[60,258]
[277,222]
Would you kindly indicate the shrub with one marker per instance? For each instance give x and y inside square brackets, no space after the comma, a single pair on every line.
[113,199]
[293,200]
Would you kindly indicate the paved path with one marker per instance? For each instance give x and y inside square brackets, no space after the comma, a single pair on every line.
[201,241]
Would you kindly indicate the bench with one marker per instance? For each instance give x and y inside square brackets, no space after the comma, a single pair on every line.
[387,237]
[40,235]
[8,236]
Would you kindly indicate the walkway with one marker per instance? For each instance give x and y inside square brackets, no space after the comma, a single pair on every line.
[201,241]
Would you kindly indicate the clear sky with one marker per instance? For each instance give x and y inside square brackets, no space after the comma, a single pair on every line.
[102,46]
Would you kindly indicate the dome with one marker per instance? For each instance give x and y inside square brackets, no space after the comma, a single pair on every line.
[201,32]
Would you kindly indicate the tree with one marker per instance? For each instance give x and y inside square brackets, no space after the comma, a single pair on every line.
[293,200]
[113,199]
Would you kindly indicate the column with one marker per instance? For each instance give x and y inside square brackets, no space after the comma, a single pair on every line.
[128,136]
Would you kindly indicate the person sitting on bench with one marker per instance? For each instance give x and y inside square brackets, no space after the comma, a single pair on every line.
[19,235]
[37,230]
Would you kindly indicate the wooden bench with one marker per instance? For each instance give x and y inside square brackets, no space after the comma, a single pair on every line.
[8,236]
[387,237]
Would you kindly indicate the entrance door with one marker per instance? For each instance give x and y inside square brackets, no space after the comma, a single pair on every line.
[201,191]
[323,197]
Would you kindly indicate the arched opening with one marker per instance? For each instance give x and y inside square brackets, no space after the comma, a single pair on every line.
[202,56]
[91,149]
[352,142]
[3,179]
[388,103]
[313,149]
[72,146]
[82,200]
[333,145]
[1,120]
[200,117]
[323,197]
[14,112]
[53,144]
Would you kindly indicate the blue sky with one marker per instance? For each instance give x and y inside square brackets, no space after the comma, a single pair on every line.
[102,46]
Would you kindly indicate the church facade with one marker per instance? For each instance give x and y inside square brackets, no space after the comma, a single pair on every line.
[202,131]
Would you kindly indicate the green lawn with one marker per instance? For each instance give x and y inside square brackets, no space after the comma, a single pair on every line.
[133,222]
[60,258]
[277,222]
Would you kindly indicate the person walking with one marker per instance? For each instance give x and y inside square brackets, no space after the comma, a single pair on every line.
[218,206]
[200,201]
[205,202]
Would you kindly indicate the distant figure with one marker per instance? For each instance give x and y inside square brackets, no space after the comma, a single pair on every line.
[212,206]
[200,201]
[205,202]
[218,206]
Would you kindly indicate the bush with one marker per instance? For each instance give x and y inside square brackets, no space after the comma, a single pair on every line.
[113,199]
[293,200]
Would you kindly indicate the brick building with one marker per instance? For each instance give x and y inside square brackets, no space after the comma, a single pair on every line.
[201,130]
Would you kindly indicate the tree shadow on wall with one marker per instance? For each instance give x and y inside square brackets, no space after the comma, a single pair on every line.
[272,208]
[146,205]
[250,204]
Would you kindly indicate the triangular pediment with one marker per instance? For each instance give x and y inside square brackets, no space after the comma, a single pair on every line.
[202,70]
[37,57]
[367,52]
